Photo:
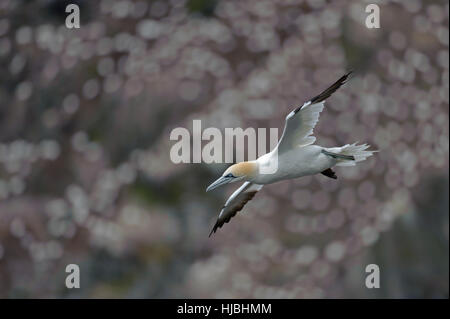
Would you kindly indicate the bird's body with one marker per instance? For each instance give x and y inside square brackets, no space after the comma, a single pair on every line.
[294,156]
[297,162]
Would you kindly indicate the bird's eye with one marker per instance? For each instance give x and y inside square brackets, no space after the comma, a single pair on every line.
[229,175]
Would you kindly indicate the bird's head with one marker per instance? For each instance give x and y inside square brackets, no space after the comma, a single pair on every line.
[234,173]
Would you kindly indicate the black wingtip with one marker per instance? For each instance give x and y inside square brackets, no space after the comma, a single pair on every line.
[346,75]
[333,88]
[216,225]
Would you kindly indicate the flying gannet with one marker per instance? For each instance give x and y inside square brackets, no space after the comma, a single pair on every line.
[294,156]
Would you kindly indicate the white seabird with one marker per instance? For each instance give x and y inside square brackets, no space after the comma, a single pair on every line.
[294,156]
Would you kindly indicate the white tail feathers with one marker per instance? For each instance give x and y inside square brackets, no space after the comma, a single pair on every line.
[359,152]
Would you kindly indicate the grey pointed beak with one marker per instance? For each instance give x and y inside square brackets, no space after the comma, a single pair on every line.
[221,181]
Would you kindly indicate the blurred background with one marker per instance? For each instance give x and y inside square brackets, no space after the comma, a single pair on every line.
[86,177]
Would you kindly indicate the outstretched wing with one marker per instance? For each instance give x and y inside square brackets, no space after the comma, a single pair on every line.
[235,203]
[299,125]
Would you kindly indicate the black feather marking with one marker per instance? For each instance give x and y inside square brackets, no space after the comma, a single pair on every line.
[234,210]
[327,93]
[329,173]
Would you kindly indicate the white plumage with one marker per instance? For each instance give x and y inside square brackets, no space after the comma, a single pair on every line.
[294,156]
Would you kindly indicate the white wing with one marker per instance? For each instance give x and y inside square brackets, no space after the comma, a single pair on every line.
[235,203]
[300,123]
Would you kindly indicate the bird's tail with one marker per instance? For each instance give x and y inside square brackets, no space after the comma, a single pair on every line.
[350,154]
